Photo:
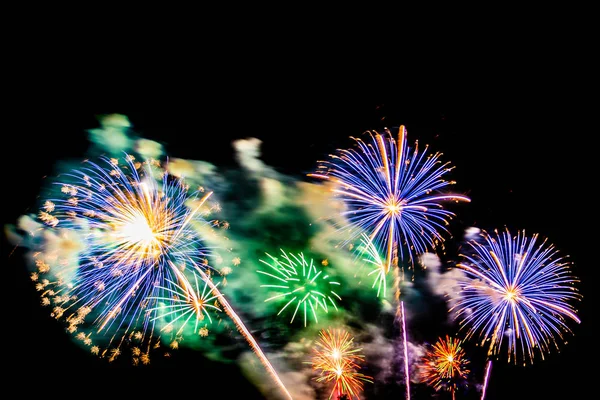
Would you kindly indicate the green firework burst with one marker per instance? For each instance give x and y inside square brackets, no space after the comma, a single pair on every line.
[301,282]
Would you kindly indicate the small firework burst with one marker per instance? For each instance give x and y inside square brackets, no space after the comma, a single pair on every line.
[336,360]
[187,301]
[444,365]
[42,266]
[145,358]
[49,206]
[302,282]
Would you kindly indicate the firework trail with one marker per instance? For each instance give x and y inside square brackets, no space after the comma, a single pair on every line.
[517,290]
[337,360]
[139,238]
[444,364]
[310,285]
[391,194]
[405,346]
[488,369]
[246,334]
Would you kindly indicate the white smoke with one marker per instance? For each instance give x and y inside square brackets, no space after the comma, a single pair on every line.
[378,352]
[190,169]
[383,355]
[296,381]
[273,190]
[25,223]
[415,355]
[60,246]
[247,152]
[273,194]
[446,284]
[149,148]
[112,136]
[472,233]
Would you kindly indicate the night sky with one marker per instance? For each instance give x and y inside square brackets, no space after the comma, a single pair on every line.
[521,152]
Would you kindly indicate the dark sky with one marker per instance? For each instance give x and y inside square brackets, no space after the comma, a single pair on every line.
[522,151]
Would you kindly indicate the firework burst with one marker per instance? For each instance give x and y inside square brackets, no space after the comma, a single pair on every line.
[444,365]
[517,290]
[300,282]
[135,229]
[337,360]
[392,193]
[140,236]
[189,301]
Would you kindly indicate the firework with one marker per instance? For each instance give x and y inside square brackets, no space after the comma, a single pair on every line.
[300,282]
[140,235]
[134,228]
[338,361]
[392,193]
[188,301]
[517,290]
[444,365]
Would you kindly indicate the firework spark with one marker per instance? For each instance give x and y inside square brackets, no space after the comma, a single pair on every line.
[337,360]
[444,365]
[517,290]
[392,194]
[301,282]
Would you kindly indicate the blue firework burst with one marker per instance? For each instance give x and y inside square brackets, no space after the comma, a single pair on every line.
[392,192]
[518,290]
[137,226]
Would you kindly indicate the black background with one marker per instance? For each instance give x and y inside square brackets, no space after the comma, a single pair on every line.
[516,124]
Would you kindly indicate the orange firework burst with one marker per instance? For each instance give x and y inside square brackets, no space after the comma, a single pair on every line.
[444,365]
[337,360]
